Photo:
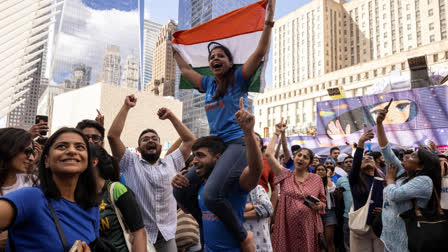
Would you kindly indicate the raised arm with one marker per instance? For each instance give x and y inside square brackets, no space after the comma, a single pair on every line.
[382,138]
[185,134]
[191,75]
[285,143]
[254,60]
[277,151]
[251,175]
[353,176]
[116,145]
[269,153]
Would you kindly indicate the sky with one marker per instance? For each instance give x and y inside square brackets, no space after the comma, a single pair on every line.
[161,11]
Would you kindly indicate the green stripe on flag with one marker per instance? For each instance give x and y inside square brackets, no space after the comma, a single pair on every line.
[254,81]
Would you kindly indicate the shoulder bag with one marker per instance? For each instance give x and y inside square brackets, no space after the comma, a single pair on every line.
[427,228]
[357,219]
[126,233]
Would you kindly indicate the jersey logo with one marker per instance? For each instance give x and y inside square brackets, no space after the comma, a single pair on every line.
[215,105]
[209,216]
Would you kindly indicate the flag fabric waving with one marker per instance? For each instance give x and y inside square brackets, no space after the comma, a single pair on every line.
[239,30]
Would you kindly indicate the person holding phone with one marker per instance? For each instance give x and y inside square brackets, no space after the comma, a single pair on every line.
[297,225]
[364,178]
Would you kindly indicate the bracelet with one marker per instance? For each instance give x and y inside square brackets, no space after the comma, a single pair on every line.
[269,23]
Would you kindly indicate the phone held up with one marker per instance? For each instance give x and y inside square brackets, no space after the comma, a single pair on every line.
[39,119]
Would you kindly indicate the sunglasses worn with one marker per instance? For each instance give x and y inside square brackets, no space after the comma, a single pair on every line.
[95,138]
[29,151]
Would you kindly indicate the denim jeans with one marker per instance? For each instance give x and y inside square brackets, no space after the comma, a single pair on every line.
[226,172]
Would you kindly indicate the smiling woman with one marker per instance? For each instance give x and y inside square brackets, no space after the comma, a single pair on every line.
[68,186]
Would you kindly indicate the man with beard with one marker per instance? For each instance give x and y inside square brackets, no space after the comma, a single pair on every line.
[149,176]
[330,164]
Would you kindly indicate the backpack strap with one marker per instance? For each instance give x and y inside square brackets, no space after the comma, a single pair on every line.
[58,226]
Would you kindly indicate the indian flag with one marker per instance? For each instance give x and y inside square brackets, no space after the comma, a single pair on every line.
[239,30]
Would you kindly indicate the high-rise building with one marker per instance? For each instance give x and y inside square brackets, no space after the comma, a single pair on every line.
[164,66]
[111,67]
[150,33]
[352,44]
[98,35]
[191,14]
[130,73]
[23,38]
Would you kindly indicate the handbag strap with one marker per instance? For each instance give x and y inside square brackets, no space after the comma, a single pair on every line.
[417,211]
[118,212]
[58,226]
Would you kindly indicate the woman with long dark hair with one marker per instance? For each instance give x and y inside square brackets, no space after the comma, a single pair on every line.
[363,179]
[67,185]
[329,219]
[123,198]
[302,200]
[16,161]
[223,91]
[414,178]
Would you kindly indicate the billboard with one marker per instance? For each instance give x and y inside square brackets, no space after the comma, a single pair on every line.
[414,116]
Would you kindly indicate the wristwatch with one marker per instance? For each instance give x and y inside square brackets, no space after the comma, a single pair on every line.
[269,23]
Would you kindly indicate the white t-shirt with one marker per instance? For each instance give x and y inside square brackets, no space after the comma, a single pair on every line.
[23,180]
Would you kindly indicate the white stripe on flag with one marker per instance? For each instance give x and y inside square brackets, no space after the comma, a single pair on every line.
[241,47]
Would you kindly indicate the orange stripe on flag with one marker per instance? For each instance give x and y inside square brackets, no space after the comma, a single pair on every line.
[240,21]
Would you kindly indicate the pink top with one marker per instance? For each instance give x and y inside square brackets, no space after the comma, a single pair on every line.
[297,226]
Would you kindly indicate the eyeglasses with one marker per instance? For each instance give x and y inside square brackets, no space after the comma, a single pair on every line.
[367,158]
[95,138]
[29,151]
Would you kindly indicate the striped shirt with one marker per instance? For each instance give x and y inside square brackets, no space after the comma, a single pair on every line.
[152,187]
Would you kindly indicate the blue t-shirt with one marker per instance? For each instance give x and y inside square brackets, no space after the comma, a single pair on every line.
[221,112]
[33,228]
[335,178]
[290,164]
[216,235]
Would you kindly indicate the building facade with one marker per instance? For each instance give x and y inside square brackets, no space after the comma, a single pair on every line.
[130,72]
[191,14]
[352,44]
[164,66]
[328,35]
[108,99]
[98,35]
[23,40]
[150,34]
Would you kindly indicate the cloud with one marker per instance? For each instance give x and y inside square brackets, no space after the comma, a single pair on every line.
[85,34]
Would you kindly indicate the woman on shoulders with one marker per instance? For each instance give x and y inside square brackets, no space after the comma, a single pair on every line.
[67,185]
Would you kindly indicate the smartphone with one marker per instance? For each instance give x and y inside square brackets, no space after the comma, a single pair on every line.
[310,199]
[39,119]
[77,247]
[388,105]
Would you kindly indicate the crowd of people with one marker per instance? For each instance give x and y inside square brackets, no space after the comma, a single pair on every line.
[223,192]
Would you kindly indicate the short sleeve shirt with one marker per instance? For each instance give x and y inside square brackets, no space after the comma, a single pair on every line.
[33,228]
[221,112]
[216,235]
[151,184]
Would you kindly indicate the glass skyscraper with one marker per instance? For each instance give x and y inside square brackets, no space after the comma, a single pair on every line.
[191,14]
[96,41]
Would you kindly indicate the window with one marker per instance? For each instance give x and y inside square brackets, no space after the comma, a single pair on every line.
[403,65]
[432,38]
[410,36]
[408,17]
[435,57]
[409,26]
[431,26]
[430,12]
